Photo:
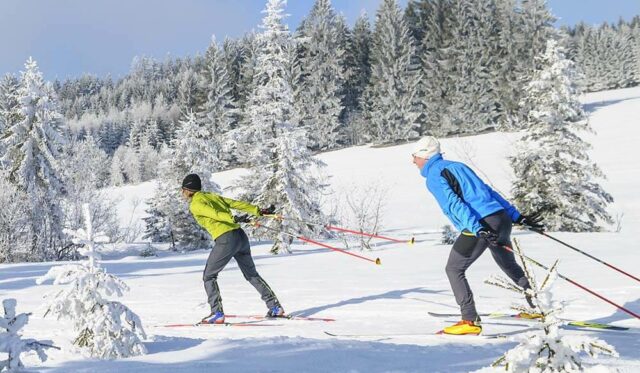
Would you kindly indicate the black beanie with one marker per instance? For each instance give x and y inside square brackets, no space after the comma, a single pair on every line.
[192,182]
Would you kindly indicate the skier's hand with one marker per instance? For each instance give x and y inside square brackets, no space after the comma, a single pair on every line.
[268,211]
[242,219]
[489,235]
[533,221]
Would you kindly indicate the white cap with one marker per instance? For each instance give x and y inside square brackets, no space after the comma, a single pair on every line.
[426,147]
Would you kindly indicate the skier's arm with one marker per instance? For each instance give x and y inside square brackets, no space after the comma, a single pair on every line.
[456,204]
[199,208]
[509,208]
[242,206]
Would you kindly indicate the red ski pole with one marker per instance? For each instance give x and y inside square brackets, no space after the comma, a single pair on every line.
[578,285]
[305,239]
[585,254]
[340,229]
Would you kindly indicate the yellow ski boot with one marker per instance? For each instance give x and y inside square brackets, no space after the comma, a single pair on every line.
[463,327]
[529,315]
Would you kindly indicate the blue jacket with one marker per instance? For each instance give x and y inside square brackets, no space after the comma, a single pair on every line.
[462,195]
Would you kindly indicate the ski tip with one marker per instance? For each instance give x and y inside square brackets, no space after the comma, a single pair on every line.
[378,262]
[331,334]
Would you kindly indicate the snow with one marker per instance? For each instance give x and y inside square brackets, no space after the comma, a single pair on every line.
[364,298]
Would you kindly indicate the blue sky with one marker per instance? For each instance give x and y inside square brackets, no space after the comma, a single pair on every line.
[71,37]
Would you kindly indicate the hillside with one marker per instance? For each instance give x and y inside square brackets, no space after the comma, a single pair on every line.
[364,298]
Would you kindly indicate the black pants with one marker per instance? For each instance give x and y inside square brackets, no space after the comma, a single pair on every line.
[233,244]
[468,248]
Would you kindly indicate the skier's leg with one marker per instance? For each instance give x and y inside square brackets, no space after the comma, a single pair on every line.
[220,255]
[248,268]
[505,259]
[464,252]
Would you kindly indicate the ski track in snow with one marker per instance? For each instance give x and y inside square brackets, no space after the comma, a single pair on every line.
[364,298]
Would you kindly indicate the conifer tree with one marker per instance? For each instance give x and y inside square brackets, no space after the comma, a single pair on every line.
[357,75]
[553,172]
[220,112]
[282,169]
[391,103]
[322,75]
[33,145]
[9,113]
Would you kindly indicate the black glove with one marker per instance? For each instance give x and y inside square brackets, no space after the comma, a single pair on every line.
[242,219]
[533,221]
[268,211]
[489,235]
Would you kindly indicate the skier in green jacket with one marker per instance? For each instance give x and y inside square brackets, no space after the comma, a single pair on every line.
[213,213]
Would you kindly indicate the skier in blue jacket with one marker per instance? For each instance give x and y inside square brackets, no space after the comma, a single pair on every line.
[482,216]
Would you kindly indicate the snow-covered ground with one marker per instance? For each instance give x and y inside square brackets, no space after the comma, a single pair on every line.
[392,298]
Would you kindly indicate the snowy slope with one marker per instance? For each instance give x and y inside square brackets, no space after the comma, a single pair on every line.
[365,298]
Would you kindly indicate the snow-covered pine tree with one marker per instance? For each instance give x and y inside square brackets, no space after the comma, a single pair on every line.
[14,223]
[196,150]
[606,58]
[220,110]
[106,329]
[32,150]
[9,104]
[553,172]
[12,344]
[391,104]
[188,90]
[536,26]
[86,170]
[322,61]
[169,219]
[357,75]
[546,349]
[117,171]
[283,171]
[434,20]
[511,68]
[470,95]
[635,38]
[250,46]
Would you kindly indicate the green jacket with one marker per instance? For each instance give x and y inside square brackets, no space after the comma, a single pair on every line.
[213,212]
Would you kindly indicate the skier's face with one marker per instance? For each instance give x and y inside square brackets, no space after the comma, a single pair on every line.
[186,194]
[419,162]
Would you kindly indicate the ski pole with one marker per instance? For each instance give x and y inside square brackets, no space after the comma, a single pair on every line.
[577,284]
[301,238]
[584,253]
[340,229]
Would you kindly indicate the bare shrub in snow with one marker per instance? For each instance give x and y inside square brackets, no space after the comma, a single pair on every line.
[449,235]
[106,329]
[546,350]
[10,341]
[362,210]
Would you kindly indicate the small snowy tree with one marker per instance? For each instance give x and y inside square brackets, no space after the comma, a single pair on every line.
[106,329]
[169,219]
[449,235]
[10,341]
[553,172]
[546,350]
